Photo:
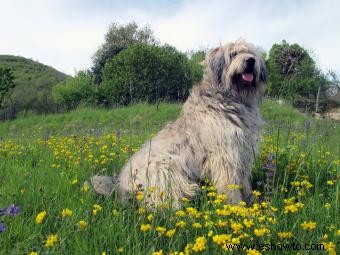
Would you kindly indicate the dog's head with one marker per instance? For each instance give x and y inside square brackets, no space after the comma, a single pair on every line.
[238,69]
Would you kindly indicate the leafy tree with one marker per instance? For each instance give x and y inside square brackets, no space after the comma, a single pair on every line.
[196,59]
[293,72]
[146,73]
[6,83]
[118,38]
[75,91]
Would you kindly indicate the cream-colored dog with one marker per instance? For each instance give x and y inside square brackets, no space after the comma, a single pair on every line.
[215,136]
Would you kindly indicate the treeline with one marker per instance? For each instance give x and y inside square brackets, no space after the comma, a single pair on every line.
[132,66]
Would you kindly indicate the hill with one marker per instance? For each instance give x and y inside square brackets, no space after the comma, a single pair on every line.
[33,91]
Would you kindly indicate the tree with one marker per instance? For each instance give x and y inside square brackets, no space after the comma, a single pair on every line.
[118,38]
[334,79]
[292,72]
[146,73]
[75,91]
[6,84]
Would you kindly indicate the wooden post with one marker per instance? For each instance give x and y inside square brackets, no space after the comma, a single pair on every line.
[317,100]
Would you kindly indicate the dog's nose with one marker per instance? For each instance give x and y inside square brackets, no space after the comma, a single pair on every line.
[250,61]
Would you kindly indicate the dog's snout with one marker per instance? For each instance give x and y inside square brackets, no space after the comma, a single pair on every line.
[250,61]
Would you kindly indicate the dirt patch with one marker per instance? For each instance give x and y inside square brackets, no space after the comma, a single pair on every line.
[333,114]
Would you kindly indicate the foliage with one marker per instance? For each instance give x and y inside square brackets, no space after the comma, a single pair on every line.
[49,207]
[6,83]
[118,38]
[293,72]
[146,73]
[196,65]
[75,91]
[33,86]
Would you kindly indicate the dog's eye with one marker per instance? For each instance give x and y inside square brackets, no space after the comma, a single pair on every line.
[233,54]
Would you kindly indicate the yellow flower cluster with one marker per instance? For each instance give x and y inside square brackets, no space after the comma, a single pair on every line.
[51,240]
[40,217]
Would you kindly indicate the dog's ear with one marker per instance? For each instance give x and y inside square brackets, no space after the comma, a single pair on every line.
[216,63]
[263,71]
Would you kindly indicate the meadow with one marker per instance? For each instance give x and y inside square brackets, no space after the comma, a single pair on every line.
[47,205]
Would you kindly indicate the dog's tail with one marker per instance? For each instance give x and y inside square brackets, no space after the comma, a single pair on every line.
[104,185]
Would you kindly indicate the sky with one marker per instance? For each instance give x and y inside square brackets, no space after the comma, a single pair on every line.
[65,34]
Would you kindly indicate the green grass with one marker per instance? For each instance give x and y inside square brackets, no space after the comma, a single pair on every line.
[45,160]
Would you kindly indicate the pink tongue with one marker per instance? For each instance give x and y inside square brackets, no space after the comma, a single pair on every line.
[248,77]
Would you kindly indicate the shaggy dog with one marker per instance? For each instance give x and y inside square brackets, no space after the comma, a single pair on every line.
[215,136]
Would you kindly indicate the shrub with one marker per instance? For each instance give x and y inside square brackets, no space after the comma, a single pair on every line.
[147,73]
[75,91]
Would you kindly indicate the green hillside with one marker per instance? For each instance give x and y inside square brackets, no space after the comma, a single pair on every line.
[148,118]
[34,82]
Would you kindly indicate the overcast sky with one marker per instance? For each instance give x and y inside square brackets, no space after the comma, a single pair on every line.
[65,33]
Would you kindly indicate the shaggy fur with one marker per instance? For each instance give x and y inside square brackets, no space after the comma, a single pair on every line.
[215,136]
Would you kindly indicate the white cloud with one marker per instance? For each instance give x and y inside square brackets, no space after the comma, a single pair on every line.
[65,34]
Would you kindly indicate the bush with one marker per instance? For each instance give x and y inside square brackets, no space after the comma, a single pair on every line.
[75,91]
[293,72]
[147,73]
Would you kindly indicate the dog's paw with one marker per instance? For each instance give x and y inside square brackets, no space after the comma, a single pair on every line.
[103,185]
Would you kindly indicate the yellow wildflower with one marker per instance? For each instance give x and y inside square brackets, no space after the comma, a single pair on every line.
[170,233]
[248,223]
[145,227]
[222,239]
[51,240]
[308,225]
[82,224]
[256,193]
[85,188]
[40,217]
[283,235]
[261,231]
[33,253]
[180,213]
[66,213]
[185,200]
[180,224]
[199,244]
[328,205]
[97,208]
[139,195]
[222,223]
[191,211]
[74,181]
[330,182]
[253,252]
[160,252]
[236,226]
[115,212]
[141,210]
[196,225]
[150,217]
[160,230]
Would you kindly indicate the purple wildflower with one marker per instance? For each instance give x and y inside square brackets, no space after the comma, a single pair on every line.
[13,210]
[2,227]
